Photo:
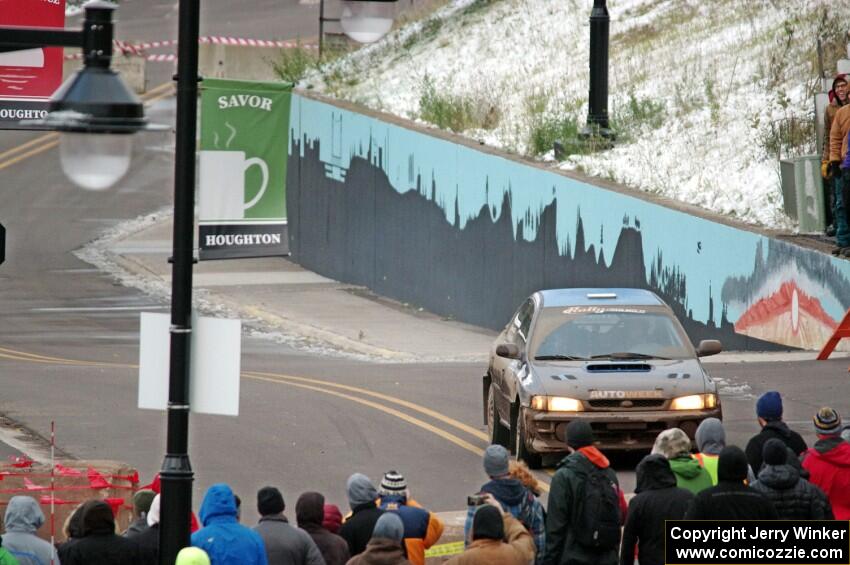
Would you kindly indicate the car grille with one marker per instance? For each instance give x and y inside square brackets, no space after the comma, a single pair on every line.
[637,403]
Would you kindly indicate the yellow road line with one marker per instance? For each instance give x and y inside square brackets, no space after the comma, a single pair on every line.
[305,383]
[391,411]
[29,154]
[29,143]
[421,409]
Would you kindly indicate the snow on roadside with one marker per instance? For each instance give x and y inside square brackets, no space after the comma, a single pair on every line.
[724,71]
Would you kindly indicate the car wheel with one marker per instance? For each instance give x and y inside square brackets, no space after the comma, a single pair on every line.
[499,434]
[532,459]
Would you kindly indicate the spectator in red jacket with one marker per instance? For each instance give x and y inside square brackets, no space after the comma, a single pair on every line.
[828,462]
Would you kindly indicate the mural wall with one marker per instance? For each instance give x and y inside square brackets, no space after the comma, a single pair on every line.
[468,235]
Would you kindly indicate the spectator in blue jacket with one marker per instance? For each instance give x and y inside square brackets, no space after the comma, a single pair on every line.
[224,539]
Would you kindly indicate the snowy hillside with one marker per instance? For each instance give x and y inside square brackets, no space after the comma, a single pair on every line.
[704,94]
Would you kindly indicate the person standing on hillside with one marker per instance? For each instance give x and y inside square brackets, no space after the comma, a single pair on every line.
[837,99]
[839,168]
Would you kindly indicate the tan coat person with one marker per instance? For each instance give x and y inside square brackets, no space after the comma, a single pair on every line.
[503,541]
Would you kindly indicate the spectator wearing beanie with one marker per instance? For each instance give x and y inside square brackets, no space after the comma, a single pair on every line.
[828,462]
[675,445]
[332,521]
[141,504]
[769,415]
[422,528]
[731,499]
[362,497]
[566,497]
[309,512]
[793,497]
[285,544]
[657,498]
[385,547]
[513,497]
[192,556]
[497,537]
[148,540]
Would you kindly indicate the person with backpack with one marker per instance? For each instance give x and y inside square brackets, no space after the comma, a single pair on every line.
[657,498]
[513,496]
[586,505]
[422,528]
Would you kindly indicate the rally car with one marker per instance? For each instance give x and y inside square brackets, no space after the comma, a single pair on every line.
[617,358]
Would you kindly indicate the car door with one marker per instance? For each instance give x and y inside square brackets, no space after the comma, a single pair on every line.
[505,370]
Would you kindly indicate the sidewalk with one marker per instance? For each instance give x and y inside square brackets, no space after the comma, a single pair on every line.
[277,298]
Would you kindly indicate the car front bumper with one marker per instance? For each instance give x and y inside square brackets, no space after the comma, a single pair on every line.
[611,430]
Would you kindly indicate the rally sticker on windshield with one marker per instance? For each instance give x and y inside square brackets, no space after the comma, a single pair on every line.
[622,394]
[603,310]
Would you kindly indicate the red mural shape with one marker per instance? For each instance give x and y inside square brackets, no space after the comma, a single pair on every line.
[788,316]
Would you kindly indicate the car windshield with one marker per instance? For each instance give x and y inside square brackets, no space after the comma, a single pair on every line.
[591,332]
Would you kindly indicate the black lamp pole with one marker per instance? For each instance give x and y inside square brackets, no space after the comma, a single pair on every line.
[597,116]
[176,475]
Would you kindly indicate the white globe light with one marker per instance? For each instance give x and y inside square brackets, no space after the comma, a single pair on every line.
[95,161]
[367,22]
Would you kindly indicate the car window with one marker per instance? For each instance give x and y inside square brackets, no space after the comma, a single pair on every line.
[526,313]
[588,332]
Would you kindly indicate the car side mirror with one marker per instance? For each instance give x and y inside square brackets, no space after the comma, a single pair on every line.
[709,347]
[508,350]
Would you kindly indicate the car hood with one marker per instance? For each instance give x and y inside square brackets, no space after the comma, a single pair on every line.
[663,378]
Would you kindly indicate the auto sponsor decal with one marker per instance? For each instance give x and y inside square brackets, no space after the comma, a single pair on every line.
[621,394]
[603,310]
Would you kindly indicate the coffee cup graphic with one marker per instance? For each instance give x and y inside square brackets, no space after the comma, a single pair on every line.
[222,176]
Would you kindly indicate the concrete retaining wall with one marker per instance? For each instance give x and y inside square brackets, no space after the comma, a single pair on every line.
[468,233]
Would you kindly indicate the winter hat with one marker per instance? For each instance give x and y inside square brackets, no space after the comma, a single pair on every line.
[827,422]
[269,501]
[309,509]
[98,518]
[654,472]
[142,501]
[389,526]
[496,461]
[487,523]
[710,436]
[672,443]
[360,490]
[393,483]
[774,452]
[153,511]
[192,556]
[769,406]
[579,434]
[732,464]
[332,520]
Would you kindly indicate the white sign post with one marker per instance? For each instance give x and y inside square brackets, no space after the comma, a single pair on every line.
[216,358]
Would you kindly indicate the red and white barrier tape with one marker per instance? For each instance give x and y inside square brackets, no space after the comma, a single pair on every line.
[139,49]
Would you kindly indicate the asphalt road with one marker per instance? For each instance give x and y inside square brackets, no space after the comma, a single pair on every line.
[69,344]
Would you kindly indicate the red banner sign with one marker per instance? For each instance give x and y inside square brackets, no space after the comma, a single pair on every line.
[31,73]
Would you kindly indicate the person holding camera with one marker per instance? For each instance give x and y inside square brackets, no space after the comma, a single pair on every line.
[497,537]
[513,496]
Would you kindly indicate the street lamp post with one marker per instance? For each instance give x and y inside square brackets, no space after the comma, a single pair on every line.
[176,475]
[597,115]
[94,110]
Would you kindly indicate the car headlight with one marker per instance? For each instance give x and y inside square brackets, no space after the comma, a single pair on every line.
[556,404]
[694,402]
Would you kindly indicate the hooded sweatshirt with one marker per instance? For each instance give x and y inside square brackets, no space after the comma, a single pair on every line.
[657,498]
[690,474]
[362,497]
[828,464]
[521,503]
[309,512]
[223,538]
[99,545]
[23,518]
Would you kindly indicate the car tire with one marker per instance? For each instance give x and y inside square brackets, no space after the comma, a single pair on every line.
[499,434]
[532,459]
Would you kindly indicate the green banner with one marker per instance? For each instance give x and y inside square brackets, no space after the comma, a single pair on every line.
[243,155]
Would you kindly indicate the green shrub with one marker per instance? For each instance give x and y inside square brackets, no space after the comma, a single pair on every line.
[453,112]
[637,114]
[292,64]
